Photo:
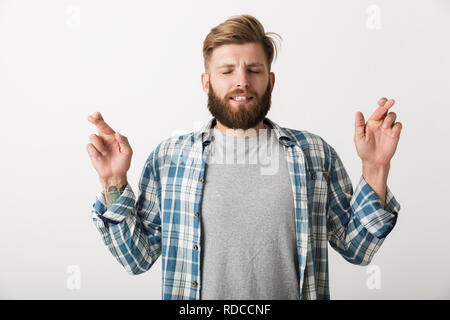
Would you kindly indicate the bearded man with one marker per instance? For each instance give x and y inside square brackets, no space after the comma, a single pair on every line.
[244,208]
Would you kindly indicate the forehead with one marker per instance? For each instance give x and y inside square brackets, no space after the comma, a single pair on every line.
[246,53]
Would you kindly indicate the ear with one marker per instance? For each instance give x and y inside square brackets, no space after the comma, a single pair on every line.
[272,80]
[205,82]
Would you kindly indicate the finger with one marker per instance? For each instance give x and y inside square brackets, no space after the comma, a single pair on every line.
[92,151]
[397,129]
[124,145]
[97,142]
[380,112]
[360,124]
[382,101]
[389,120]
[102,127]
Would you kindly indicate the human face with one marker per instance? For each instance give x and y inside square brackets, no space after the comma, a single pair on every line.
[238,69]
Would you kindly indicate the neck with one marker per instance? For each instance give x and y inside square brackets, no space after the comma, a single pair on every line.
[240,133]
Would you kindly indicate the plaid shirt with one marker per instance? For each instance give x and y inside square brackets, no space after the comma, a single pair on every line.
[165,219]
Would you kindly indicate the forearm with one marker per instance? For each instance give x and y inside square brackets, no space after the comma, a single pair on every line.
[376,177]
[113,188]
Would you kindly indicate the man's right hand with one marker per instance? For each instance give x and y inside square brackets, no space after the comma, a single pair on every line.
[110,153]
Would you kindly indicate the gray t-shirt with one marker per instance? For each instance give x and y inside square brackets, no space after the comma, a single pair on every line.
[248,240]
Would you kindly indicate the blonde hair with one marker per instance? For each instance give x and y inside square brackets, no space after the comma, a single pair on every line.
[238,30]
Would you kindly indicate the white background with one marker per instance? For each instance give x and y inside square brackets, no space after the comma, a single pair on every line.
[139,63]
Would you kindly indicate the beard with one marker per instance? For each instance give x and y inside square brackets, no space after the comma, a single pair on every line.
[239,116]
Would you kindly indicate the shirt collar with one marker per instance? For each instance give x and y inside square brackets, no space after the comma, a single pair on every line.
[284,137]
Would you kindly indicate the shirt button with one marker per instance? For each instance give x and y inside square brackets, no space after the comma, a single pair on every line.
[195,247]
[313,176]
[194,283]
[202,180]
[196,214]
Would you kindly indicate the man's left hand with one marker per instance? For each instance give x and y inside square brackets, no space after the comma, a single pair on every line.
[376,140]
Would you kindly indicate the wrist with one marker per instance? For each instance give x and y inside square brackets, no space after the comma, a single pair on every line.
[113,187]
[376,169]
[118,182]
[376,177]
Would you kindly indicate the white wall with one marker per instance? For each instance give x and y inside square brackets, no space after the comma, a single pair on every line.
[139,63]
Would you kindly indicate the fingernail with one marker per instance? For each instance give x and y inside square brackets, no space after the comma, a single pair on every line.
[385,125]
[394,134]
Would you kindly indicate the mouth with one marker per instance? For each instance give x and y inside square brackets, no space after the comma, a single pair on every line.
[241,99]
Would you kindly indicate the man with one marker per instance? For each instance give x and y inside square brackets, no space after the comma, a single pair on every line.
[228,230]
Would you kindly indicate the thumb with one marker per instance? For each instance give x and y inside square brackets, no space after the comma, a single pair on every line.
[360,125]
[124,146]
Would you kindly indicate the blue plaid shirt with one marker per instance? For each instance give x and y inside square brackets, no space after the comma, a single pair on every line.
[165,219]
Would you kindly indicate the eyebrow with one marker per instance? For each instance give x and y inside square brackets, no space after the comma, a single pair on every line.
[254,64]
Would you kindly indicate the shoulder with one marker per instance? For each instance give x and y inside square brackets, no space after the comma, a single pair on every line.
[317,151]
[171,149]
[306,139]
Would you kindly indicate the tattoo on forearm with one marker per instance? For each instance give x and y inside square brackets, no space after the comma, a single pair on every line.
[112,193]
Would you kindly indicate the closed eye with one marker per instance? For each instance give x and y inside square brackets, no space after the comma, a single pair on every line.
[248,71]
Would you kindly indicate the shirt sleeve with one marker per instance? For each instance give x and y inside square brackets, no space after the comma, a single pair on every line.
[356,221]
[131,229]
